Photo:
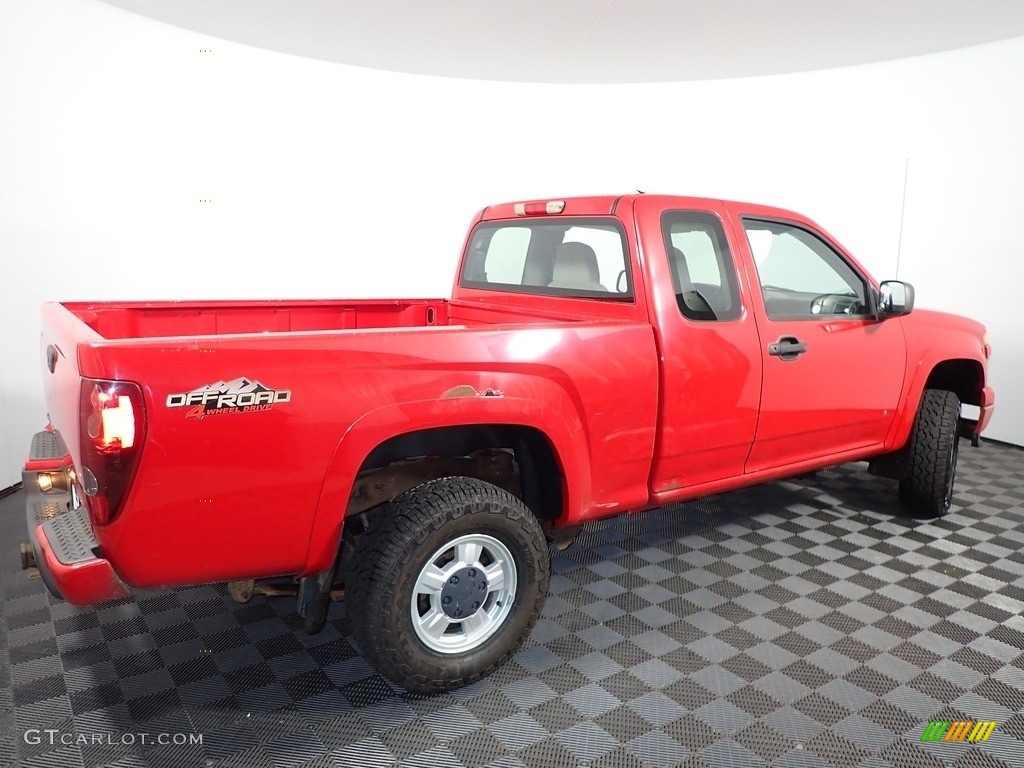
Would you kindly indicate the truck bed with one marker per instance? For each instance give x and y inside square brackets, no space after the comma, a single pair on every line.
[346,374]
[131,320]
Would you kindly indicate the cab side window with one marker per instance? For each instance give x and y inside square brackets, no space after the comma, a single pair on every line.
[702,268]
[801,275]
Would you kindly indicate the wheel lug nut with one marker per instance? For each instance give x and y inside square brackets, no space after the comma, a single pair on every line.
[476,606]
[447,600]
[472,573]
[458,612]
[455,580]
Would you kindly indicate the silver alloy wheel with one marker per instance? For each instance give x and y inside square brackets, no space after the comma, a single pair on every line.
[463,594]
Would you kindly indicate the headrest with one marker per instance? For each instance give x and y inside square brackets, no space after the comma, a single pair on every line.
[575,263]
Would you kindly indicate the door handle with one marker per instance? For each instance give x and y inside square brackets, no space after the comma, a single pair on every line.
[787,348]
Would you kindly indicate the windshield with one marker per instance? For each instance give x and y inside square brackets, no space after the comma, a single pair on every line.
[582,258]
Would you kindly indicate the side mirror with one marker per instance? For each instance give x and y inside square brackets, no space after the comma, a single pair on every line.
[895,298]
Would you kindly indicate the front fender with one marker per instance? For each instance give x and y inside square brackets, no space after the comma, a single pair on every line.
[387,422]
[958,345]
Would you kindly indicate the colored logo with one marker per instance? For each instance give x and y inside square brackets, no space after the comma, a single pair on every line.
[959,730]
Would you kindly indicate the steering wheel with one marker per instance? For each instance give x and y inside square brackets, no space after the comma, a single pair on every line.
[834,304]
[693,302]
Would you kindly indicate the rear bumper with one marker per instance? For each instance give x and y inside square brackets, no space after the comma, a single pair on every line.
[62,538]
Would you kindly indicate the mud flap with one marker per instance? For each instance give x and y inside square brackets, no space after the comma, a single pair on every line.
[314,598]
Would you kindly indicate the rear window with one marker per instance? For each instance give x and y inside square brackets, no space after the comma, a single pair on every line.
[581,258]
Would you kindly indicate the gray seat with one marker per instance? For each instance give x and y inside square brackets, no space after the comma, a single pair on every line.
[690,301]
[575,267]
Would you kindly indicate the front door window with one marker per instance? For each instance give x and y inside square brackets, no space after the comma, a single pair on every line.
[801,275]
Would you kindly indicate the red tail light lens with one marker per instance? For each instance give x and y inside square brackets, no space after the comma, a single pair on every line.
[112,429]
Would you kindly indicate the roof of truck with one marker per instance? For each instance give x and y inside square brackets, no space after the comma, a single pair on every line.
[606,205]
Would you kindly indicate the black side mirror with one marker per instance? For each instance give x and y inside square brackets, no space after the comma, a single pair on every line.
[894,298]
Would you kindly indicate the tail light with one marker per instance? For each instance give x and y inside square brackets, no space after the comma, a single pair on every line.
[112,428]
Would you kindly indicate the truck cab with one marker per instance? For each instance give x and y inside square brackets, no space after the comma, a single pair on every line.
[778,350]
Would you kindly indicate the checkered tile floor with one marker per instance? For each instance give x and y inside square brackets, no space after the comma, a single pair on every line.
[796,624]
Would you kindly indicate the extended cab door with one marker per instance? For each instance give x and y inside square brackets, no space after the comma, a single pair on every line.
[832,372]
[710,359]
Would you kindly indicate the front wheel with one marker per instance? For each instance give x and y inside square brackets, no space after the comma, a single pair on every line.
[927,488]
[447,584]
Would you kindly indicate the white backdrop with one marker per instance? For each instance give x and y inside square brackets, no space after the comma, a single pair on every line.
[334,181]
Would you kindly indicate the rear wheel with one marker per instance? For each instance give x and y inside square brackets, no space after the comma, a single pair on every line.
[927,488]
[447,583]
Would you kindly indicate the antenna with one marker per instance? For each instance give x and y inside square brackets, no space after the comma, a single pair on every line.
[903,211]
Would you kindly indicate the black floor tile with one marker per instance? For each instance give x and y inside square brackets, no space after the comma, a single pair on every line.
[802,623]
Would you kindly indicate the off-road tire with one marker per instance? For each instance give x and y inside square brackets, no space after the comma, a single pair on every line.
[387,561]
[927,488]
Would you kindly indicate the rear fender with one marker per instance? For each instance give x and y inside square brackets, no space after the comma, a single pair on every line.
[383,424]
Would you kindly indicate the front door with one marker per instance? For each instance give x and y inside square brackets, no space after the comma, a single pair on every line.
[823,390]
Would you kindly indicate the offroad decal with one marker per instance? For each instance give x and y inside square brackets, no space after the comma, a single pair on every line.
[239,395]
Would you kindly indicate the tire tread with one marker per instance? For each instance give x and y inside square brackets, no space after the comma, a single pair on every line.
[407,522]
[923,489]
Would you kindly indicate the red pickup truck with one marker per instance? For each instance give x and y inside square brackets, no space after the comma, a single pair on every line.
[598,355]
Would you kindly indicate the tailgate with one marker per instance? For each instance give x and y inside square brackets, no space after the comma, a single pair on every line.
[61,335]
